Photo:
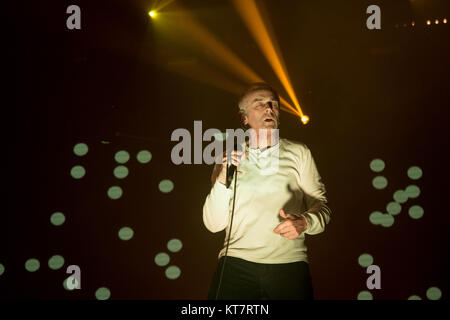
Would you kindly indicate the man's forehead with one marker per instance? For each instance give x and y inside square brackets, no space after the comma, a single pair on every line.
[259,94]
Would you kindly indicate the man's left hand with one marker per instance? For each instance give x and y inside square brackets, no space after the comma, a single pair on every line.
[292,227]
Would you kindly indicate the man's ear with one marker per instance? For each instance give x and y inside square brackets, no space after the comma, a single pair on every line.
[245,120]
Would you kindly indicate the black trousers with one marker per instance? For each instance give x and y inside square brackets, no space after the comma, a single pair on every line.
[245,280]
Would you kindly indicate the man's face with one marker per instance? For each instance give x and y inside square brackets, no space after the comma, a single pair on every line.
[262,110]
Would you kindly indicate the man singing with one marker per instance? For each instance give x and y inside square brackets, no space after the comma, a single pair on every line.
[273,209]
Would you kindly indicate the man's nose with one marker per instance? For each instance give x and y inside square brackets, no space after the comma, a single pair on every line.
[269,104]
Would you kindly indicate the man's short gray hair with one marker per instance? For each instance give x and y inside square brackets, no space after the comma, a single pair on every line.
[257,86]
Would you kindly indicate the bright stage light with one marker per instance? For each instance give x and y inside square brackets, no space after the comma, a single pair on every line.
[436,21]
[152,14]
[413,23]
[305,119]
[428,22]
[444,21]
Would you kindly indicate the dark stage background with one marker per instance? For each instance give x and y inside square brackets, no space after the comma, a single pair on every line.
[370,94]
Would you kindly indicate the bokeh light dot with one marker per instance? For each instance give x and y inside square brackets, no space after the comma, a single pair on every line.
[393,208]
[412,191]
[388,220]
[144,156]
[414,172]
[379,182]
[434,293]
[365,260]
[376,217]
[122,156]
[416,212]
[414,297]
[174,245]
[377,165]
[400,196]
[80,149]
[126,233]
[365,295]
[55,262]
[162,259]
[32,265]
[166,186]
[173,272]
[2,269]
[102,293]
[57,218]
[74,282]
[77,172]
[115,192]
[120,172]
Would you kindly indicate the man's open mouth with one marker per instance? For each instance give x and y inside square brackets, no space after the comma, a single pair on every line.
[268,120]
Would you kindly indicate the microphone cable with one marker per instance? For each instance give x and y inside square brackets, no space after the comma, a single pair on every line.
[229,234]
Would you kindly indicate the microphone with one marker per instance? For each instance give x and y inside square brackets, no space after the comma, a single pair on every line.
[231,169]
[230,173]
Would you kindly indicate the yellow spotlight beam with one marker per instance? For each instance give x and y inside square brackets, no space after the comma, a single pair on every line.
[220,52]
[199,72]
[286,106]
[158,6]
[194,69]
[252,18]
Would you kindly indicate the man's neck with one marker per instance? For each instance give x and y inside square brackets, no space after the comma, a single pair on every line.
[263,139]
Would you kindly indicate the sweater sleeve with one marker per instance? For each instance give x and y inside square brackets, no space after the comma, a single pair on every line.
[216,207]
[317,213]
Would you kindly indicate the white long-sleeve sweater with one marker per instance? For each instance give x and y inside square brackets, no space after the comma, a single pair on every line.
[295,187]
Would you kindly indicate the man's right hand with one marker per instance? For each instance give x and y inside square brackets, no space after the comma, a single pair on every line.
[237,158]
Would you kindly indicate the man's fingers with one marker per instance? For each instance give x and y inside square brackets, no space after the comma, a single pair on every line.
[282,227]
[287,215]
[236,154]
[277,228]
[235,162]
[290,234]
[232,159]
[286,228]
[240,156]
[236,158]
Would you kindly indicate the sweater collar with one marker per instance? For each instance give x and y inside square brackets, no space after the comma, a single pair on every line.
[257,151]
